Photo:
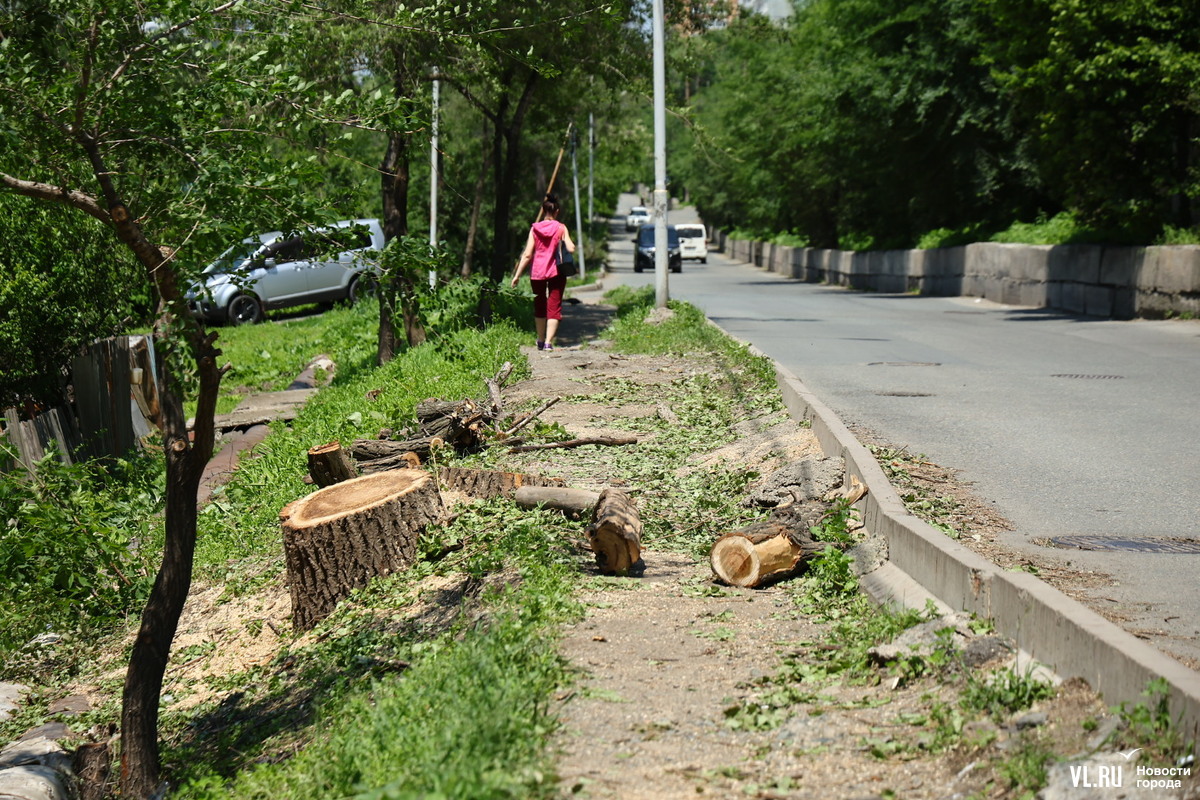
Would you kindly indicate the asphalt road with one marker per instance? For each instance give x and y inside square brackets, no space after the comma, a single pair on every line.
[1072,426]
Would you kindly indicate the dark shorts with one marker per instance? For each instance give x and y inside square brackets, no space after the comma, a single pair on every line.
[547,297]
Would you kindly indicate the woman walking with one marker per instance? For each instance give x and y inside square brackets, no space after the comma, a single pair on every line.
[541,250]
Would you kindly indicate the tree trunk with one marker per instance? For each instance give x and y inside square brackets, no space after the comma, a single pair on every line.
[338,538]
[507,155]
[186,457]
[768,550]
[575,503]
[328,464]
[616,533]
[476,208]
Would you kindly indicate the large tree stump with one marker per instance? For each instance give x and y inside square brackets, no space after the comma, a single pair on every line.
[338,538]
[328,464]
[616,533]
[768,550]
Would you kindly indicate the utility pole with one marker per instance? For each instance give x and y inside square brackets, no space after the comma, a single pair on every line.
[433,179]
[591,168]
[660,161]
[578,211]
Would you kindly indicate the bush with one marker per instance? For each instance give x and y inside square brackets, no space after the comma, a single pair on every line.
[74,544]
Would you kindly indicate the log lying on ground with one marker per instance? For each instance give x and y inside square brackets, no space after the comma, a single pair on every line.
[768,550]
[575,503]
[338,538]
[406,460]
[616,533]
[328,464]
[487,483]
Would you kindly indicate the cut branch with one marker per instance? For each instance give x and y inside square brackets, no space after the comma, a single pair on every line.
[607,441]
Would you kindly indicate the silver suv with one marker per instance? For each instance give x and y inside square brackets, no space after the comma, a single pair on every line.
[273,271]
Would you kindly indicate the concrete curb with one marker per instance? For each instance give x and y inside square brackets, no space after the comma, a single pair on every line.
[922,562]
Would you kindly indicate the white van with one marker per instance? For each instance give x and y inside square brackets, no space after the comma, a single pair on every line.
[693,241]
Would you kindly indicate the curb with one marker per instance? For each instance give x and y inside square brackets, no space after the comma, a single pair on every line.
[924,563]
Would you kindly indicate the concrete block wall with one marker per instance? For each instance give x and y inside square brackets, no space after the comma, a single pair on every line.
[1095,280]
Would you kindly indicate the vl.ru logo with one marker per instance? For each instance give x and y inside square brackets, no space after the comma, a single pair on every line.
[1092,776]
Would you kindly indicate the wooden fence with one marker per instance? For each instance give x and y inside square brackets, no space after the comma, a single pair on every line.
[113,404]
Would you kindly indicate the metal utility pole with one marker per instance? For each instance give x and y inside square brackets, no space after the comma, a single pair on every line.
[433,179]
[579,247]
[660,160]
[591,168]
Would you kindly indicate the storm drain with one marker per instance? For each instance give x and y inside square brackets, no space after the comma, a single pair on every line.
[1128,545]
[1091,377]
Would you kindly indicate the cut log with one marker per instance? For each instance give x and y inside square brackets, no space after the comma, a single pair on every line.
[405,460]
[328,464]
[338,538]
[575,503]
[608,441]
[769,550]
[615,533]
[487,484]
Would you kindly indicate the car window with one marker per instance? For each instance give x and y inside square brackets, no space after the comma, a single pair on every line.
[284,250]
[689,233]
[646,236]
[345,239]
[232,258]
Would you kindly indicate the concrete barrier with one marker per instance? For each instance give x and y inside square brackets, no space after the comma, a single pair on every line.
[1094,280]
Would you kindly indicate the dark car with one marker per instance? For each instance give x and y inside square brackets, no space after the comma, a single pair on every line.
[643,258]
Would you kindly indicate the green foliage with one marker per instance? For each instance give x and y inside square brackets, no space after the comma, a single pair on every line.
[76,545]
[1004,692]
[62,285]
[1150,725]
[897,123]
[470,717]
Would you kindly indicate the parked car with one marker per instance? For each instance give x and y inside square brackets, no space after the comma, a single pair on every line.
[638,216]
[277,271]
[644,256]
[693,241]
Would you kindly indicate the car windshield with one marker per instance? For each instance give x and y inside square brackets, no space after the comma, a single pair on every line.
[232,258]
[646,236]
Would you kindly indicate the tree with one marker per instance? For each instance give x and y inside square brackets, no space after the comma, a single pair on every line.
[150,118]
[1108,95]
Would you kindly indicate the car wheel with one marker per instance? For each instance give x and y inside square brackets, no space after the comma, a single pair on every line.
[704,260]
[244,309]
[362,286]
[637,268]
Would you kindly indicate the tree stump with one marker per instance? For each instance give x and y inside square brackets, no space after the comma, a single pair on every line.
[616,533]
[328,464]
[338,538]
[768,550]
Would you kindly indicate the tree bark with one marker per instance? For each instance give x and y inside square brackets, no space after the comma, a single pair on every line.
[615,533]
[338,538]
[328,464]
[768,550]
